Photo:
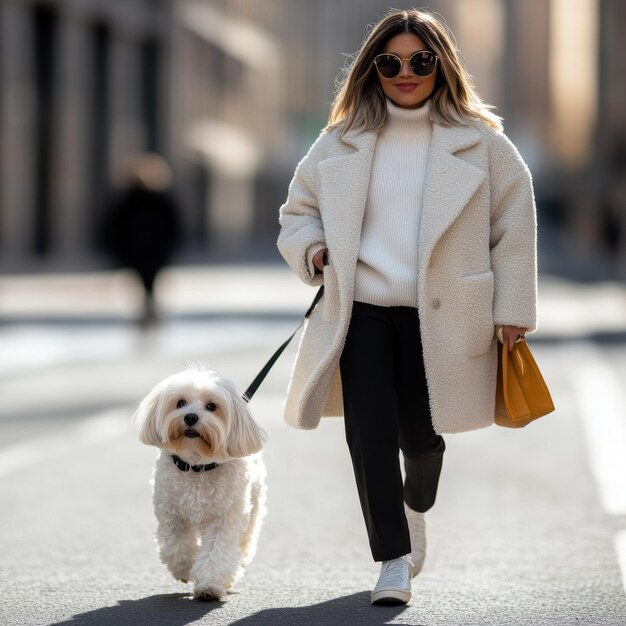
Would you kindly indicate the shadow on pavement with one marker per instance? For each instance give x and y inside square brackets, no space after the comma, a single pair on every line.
[353,609]
[178,609]
[172,609]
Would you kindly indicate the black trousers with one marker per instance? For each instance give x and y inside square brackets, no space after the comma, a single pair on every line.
[386,410]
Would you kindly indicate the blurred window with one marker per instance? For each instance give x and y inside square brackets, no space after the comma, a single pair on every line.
[99,115]
[150,93]
[45,31]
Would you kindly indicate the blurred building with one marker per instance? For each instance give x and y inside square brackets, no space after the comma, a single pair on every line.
[82,86]
[232,93]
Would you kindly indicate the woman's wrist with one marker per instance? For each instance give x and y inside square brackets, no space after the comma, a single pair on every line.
[320,260]
[510,334]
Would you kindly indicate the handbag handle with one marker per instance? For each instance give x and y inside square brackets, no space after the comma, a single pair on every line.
[260,377]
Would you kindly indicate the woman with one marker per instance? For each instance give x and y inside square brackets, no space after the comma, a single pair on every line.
[417,214]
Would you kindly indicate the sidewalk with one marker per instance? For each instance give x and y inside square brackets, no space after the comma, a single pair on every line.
[192,290]
[565,308]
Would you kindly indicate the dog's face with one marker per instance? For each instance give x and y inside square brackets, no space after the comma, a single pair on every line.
[199,416]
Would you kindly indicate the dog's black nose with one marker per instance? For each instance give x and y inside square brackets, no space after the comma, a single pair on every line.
[191,419]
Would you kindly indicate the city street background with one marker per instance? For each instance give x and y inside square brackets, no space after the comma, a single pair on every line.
[529,527]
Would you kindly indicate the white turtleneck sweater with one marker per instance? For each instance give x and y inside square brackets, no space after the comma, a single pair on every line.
[386,272]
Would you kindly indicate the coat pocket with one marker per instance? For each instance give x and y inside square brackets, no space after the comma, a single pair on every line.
[477,300]
[331,295]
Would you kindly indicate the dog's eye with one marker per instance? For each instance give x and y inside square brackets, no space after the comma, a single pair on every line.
[211,406]
[180,404]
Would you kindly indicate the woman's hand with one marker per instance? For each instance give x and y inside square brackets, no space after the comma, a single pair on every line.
[510,334]
[318,259]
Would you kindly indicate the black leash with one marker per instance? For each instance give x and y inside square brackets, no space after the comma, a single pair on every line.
[247,396]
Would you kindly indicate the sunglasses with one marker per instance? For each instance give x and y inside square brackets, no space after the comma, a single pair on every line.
[422,64]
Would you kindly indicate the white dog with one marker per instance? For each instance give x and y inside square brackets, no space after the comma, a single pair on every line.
[209,478]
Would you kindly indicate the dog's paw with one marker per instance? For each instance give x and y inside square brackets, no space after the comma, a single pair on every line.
[181,574]
[208,593]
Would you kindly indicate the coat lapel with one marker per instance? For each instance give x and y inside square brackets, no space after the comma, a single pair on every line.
[451,182]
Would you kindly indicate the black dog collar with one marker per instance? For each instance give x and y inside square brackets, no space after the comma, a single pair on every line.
[183,466]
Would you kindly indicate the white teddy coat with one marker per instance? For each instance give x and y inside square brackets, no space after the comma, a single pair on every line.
[477,266]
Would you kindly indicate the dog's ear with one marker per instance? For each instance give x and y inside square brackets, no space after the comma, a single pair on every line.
[146,417]
[245,437]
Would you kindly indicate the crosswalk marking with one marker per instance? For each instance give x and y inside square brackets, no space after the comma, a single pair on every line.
[620,548]
[602,407]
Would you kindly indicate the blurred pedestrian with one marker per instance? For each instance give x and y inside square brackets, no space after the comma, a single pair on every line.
[141,226]
[417,214]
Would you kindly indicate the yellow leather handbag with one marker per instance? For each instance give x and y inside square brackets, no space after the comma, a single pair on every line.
[521,392]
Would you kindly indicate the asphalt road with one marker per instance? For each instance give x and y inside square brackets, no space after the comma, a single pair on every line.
[527,529]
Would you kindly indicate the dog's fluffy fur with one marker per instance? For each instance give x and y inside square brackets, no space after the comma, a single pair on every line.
[208,521]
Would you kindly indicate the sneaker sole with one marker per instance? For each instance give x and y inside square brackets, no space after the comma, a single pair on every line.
[390,596]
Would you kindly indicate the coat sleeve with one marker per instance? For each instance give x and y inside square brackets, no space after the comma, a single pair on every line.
[512,238]
[301,229]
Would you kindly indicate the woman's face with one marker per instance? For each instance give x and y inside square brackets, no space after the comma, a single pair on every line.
[407,90]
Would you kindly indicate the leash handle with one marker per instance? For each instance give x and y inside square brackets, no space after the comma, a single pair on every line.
[260,377]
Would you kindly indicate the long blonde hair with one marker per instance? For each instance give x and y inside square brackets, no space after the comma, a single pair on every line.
[360,101]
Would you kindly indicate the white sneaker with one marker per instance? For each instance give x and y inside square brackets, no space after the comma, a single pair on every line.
[394,582]
[417,532]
